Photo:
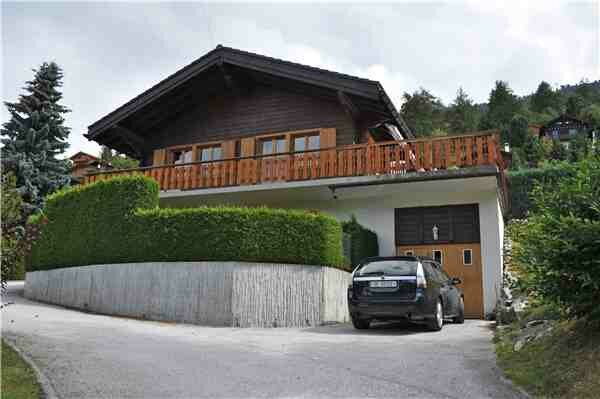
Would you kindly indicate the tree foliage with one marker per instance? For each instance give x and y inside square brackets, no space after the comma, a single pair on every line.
[462,114]
[545,98]
[503,105]
[556,250]
[35,136]
[422,112]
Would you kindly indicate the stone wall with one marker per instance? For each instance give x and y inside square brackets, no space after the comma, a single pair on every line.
[208,293]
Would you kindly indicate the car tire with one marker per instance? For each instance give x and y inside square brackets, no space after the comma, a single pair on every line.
[437,321]
[460,319]
[361,324]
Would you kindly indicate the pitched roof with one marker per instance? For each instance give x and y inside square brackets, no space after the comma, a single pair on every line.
[365,88]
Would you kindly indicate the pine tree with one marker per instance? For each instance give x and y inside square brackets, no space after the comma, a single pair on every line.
[503,105]
[462,114]
[34,136]
[544,98]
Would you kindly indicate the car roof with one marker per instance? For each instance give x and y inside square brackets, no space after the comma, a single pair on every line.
[403,257]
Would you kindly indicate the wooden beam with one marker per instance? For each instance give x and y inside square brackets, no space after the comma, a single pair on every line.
[134,140]
[230,83]
[348,105]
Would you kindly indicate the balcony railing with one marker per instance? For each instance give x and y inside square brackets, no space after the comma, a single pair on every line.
[387,158]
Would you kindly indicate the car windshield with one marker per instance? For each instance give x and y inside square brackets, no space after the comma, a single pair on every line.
[389,267]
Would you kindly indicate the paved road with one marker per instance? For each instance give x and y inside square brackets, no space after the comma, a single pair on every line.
[94,356]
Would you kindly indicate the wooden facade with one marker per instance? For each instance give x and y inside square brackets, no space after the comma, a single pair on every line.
[251,167]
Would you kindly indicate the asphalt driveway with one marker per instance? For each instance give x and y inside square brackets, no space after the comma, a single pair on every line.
[94,356]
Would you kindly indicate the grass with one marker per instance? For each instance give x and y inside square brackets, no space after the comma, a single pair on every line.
[565,364]
[18,379]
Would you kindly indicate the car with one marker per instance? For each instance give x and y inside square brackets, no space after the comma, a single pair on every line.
[412,288]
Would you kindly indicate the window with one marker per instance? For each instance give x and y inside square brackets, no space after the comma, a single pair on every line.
[467,257]
[436,254]
[212,153]
[272,145]
[306,143]
[183,155]
[388,268]
[409,253]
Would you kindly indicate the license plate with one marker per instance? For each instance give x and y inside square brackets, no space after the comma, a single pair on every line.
[383,284]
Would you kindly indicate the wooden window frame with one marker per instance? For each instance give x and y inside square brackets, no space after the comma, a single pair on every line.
[197,155]
[471,256]
[433,251]
[305,136]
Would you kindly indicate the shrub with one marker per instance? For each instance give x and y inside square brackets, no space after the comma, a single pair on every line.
[118,220]
[362,242]
[522,182]
[556,251]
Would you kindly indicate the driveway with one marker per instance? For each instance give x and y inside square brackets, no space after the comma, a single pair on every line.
[94,356]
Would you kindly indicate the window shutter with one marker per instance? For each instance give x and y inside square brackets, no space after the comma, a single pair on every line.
[327,138]
[228,149]
[160,157]
[248,147]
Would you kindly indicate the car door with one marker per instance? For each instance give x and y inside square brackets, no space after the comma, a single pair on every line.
[452,293]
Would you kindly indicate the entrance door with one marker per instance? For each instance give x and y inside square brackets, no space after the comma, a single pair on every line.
[450,235]
[458,260]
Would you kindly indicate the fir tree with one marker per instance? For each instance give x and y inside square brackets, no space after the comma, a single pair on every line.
[34,136]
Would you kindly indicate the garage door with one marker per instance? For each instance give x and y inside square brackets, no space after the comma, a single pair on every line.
[449,234]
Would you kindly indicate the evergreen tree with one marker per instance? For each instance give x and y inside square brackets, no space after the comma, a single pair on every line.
[503,105]
[463,114]
[575,105]
[34,136]
[423,112]
[533,151]
[579,147]
[106,155]
[558,152]
[517,132]
[544,98]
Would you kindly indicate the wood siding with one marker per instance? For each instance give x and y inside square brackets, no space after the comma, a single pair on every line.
[456,224]
[263,110]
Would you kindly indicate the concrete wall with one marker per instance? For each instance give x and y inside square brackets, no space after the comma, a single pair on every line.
[207,293]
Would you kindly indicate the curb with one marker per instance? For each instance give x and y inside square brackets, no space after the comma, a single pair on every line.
[48,391]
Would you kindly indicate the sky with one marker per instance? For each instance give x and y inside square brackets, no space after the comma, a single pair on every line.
[112,51]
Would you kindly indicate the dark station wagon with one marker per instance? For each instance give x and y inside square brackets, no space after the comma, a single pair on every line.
[413,288]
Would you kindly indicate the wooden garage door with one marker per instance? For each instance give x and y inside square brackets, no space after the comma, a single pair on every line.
[452,234]
[454,263]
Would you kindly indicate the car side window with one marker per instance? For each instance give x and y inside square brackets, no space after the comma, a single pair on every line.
[429,272]
[435,272]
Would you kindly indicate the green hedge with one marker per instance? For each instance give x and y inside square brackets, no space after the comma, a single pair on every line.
[522,182]
[361,242]
[118,220]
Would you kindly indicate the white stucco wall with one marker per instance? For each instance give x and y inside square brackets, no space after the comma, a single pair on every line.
[374,205]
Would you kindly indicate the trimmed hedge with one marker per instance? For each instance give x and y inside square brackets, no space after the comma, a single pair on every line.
[522,182]
[362,242]
[118,221]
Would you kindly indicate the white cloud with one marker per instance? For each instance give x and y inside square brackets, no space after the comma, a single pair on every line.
[113,51]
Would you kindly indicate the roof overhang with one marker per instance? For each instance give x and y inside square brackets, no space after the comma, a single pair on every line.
[365,92]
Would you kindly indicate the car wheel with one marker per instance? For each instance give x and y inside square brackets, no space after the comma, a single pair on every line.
[437,322]
[361,324]
[460,319]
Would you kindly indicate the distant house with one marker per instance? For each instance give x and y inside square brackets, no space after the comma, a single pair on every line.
[564,128]
[84,164]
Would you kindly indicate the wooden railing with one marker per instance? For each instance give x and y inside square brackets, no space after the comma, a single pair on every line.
[387,158]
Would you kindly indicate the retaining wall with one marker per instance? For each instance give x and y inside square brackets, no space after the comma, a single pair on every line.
[208,293]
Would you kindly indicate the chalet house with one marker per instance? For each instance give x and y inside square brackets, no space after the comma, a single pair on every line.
[235,127]
[83,164]
[564,128]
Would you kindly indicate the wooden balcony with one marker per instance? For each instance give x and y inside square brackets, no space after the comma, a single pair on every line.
[386,158]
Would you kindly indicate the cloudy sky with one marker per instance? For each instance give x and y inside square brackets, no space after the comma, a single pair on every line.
[110,51]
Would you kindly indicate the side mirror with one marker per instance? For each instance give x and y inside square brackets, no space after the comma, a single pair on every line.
[456,281]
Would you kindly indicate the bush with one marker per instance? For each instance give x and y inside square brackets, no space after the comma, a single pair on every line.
[556,251]
[522,182]
[118,220]
[362,242]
